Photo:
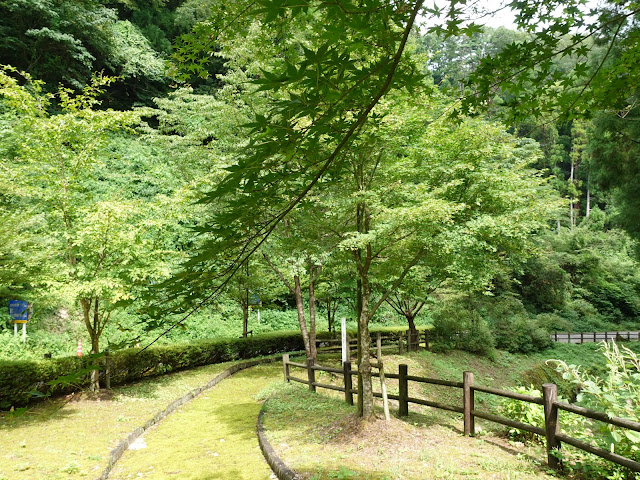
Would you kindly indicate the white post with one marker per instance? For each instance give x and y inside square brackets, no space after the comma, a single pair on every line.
[258,315]
[345,347]
[15,329]
[24,333]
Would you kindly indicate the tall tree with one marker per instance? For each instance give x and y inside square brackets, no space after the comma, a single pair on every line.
[101,247]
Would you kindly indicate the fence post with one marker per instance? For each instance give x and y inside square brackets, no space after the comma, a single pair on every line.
[628,335]
[468,403]
[285,366]
[581,337]
[311,374]
[348,383]
[107,370]
[426,340]
[555,334]
[605,336]
[550,396]
[594,337]
[400,345]
[403,391]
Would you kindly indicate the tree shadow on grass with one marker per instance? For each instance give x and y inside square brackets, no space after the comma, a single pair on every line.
[57,409]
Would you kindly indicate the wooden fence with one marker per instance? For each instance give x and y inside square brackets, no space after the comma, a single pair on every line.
[586,337]
[549,401]
[401,339]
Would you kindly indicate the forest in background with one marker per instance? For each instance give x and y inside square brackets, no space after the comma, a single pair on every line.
[507,230]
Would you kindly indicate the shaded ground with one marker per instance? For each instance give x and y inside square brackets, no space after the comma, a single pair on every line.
[212,437]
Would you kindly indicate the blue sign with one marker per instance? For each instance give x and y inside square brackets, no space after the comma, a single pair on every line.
[18,310]
[254,299]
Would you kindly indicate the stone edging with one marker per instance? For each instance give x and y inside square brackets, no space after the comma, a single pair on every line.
[119,450]
[277,465]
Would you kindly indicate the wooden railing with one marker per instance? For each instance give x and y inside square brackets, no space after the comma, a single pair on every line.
[549,401]
[402,339]
[590,337]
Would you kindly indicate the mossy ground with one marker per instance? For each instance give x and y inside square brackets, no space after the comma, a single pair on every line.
[212,437]
[71,437]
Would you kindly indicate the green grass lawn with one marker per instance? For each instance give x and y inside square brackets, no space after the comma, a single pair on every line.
[63,439]
[68,438]
[212,437]
[319,436]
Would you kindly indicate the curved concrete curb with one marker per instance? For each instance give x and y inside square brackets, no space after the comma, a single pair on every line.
[117,452]
[277,465]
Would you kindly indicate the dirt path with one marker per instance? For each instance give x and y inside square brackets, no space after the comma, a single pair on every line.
[212,437]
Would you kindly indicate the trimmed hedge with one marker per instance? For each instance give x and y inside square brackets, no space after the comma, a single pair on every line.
[25,380]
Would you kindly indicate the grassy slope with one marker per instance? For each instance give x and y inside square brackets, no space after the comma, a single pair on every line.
[429,443]
[319,436]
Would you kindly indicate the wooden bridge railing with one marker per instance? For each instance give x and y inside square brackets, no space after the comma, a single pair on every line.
[549,401]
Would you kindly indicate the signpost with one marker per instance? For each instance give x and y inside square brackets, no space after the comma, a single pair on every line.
[254,301]
[19,312]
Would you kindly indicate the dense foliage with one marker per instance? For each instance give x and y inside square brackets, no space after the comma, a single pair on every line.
[322,154]
[23,381]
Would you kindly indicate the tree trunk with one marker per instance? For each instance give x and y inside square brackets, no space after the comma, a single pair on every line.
[359,348]
[364,362]
[588,212]
[413,334]
[312,315]
[572,213]
[92,324]
[303,324]
[245,318]
[245,304]
[330,317]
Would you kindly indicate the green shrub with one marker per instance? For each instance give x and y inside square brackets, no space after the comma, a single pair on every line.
[462,329]
[584,317]
[22,381]
[520,334]
[525,412]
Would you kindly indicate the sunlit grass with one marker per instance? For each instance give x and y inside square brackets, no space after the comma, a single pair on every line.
[62,439]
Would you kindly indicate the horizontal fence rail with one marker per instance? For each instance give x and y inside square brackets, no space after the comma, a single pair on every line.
[402,340]
[549,400]
[590,337]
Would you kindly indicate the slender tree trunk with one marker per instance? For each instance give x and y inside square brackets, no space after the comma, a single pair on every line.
[364,363]
[588,212]
[329,316]
[245,304]
[301,319]
[91,322]
[312,313]
[359,348]
[572,213]
[245,318]
[413,333]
